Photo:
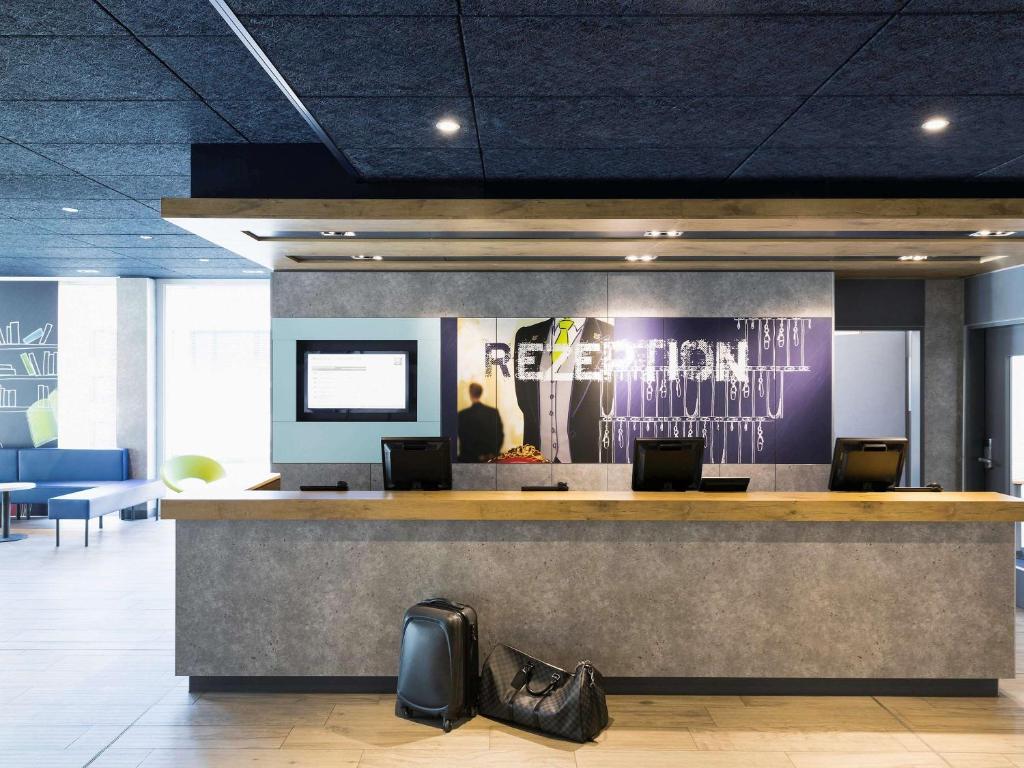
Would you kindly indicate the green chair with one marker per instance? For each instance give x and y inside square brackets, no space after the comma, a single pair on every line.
[190,467]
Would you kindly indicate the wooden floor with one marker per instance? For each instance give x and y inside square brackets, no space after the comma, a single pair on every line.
[87,679]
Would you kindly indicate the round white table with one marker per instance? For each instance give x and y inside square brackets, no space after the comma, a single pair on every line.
[5,509]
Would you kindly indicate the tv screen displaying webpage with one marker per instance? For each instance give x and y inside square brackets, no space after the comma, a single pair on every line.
[356,381]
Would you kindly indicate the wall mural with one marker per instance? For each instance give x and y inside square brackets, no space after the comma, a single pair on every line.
[28,364]
[582,389]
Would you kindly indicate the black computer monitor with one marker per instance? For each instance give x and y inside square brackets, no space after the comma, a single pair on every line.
[417,463]
[668,465]
[867,463]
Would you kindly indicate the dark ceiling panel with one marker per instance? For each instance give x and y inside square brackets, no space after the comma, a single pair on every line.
[46,17]
[919,54]
[672,7]
[70,267]
[119,159]
[895,121]
[149,186]
[108,68]
[1013,169]
[16,227]
[416,163]
[274,121]
[10,240]
[394,122]
[19,160]
[167,17]
[216,67]
[55,252]
[112,122]
[140,246]
[236,267]
[87,209]
[625,122]
[371,56]
[53,188]
[344,7]
[163,252]
[870,162]
[964,6]
[741,55]
[562,164]
[84,227]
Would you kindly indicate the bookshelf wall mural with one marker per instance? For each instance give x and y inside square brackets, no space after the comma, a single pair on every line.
[28,364]
[583,389]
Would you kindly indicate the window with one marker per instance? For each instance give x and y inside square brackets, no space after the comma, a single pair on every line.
[215,371]
[87,363]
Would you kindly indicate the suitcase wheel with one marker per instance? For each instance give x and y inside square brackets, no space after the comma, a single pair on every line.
[447,725]
[407,711]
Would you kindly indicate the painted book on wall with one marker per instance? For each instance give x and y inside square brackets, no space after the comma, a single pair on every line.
[582,389]
[28,364]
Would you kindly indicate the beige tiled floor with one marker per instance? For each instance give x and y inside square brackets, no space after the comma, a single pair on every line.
[87,679]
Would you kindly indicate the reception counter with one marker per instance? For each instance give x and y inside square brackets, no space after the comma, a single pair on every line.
[894,593]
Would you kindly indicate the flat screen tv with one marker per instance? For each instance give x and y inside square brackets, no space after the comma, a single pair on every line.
[355,380]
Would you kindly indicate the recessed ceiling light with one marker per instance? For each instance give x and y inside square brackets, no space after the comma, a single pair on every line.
[363,257]
[914,257]
[204,260]
[333,233]
[991,233]
[447,125]
[935,124]
[66,209]
[88,271]
[145,237]
[659,233]
[252,271]
[644,257]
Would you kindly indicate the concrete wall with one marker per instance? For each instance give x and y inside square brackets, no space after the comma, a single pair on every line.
[832,600]
[544,294]
[942,380]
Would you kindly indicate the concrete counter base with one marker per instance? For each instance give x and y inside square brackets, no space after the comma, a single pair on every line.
[804,602]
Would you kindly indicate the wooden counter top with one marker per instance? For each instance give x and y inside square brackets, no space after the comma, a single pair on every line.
[594,505]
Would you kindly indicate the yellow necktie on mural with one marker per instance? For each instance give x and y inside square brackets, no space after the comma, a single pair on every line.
[562,340]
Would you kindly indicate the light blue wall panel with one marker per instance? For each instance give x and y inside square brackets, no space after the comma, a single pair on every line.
[353,442]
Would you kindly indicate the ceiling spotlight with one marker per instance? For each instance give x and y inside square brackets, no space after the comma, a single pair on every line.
[66,209]
[935,124]
[88,271]
[363,257]
[447,126]
[145,237]
[659,233]
[333,233]
[644,257]
[914,257]
[990,233]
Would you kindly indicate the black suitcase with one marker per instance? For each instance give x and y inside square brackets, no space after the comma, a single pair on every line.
[439,663]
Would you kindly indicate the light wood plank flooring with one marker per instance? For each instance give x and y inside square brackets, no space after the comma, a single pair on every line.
[87,679]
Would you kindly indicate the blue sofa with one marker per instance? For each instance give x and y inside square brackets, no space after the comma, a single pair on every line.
[77,484]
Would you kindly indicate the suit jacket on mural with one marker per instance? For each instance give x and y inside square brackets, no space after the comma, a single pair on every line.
[585,402]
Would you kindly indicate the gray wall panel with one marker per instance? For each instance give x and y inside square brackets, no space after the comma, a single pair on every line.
[996,298]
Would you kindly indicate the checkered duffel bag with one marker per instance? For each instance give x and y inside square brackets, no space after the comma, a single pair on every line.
[523,690]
